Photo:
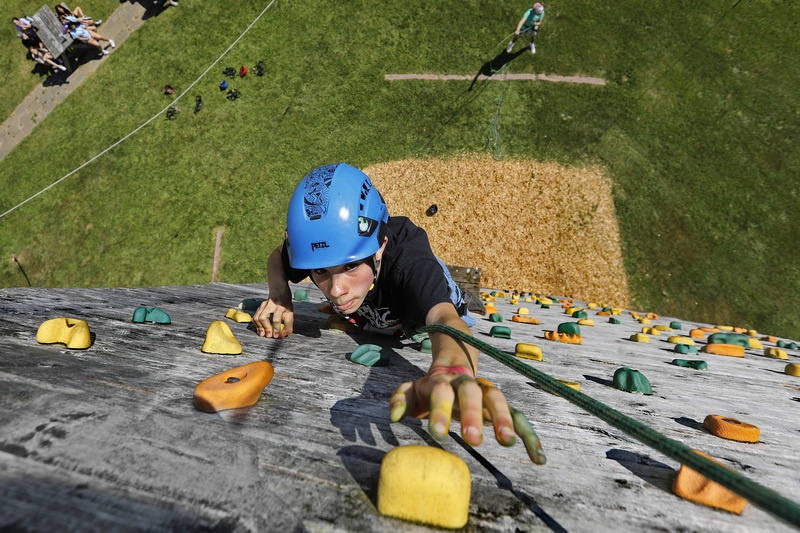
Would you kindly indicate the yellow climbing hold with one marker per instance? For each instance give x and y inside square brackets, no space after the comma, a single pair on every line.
[220,339]
[793,369]
[755,344]
[644,321]
[725,328]
[425,484]
[640,337]
[677,339]
[70,331]
[238,316]
[662,327]
[523,311]
[528,351]
[651,331]
[571,384]
[586,322]
[775,353]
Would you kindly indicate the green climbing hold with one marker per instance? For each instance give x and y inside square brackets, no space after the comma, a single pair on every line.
[569,327]
[370,355]
[697,365]
[736,339]
[151,314]
[250,304]
[301,295]
[426,346]
[613,320]
[501,332]
[675,324]
[580,314]
[631,381]
[545,306]
[789,345]
[685,349]
[495,317]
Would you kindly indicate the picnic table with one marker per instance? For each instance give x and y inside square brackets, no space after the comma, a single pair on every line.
[49,31]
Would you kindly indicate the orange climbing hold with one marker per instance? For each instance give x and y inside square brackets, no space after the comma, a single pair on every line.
[238,387]
[697,333]
[569,338]
[694,487]
[731,350]
[732,429]
[524,319]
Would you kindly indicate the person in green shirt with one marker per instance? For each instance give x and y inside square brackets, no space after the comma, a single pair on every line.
[528,25]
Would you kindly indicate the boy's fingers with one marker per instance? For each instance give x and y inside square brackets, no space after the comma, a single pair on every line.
[442,398]
[402,401]
[524,429]
[470,405]
[499,413]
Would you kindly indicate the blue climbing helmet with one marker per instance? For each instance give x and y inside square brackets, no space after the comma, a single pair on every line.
[336,216]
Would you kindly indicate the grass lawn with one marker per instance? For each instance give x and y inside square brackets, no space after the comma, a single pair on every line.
[696,127]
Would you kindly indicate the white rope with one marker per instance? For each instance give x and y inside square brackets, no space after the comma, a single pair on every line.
[148,121]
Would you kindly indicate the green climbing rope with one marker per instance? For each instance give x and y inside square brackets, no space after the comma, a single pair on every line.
[765,498]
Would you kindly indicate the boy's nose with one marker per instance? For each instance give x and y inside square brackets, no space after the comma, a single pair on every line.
[338,286]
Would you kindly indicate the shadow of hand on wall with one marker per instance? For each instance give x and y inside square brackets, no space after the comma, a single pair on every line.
[653,472]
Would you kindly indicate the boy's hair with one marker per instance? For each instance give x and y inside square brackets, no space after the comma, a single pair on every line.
[335,216]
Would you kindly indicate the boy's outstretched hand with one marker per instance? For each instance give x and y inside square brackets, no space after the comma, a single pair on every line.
[444,394]
[274,318]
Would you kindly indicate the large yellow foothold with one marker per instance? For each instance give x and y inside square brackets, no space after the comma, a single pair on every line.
[775,353]
[425,484]
[238,316]
[70,331]
[220,339]
[238,387]
[528,351]
[662,327]
[640,337]
[677,339]
[651,331]
[523,311]
[694,487]
[793,369]
[586,322]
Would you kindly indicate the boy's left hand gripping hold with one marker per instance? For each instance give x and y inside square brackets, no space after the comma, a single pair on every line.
[274,318]
[452,391]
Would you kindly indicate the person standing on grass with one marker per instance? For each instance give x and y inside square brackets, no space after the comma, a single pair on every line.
[528,25]
[380,274]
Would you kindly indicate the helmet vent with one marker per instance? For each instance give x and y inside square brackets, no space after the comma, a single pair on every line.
[316,195]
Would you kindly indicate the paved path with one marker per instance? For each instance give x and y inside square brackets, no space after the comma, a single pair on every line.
[44,98]
[460,77]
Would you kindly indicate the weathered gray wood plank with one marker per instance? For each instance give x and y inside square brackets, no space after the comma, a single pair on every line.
[108,438]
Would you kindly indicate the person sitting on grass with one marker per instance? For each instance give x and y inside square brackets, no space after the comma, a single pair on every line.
[84,35]
[380,274]
[42,55]
[528,25]
[65,16]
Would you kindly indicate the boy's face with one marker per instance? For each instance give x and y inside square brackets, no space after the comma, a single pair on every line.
[346,286]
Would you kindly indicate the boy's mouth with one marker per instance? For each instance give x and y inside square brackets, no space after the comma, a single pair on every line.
[345,306]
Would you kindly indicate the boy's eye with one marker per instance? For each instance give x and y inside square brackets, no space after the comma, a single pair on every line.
[352,266]
[319,271]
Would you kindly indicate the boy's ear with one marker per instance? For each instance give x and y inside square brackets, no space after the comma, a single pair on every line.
[379,253]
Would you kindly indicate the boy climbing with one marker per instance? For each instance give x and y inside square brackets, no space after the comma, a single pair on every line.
[380,274]
[528,25]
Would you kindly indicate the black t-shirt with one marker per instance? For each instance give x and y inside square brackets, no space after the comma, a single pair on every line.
[411,282]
